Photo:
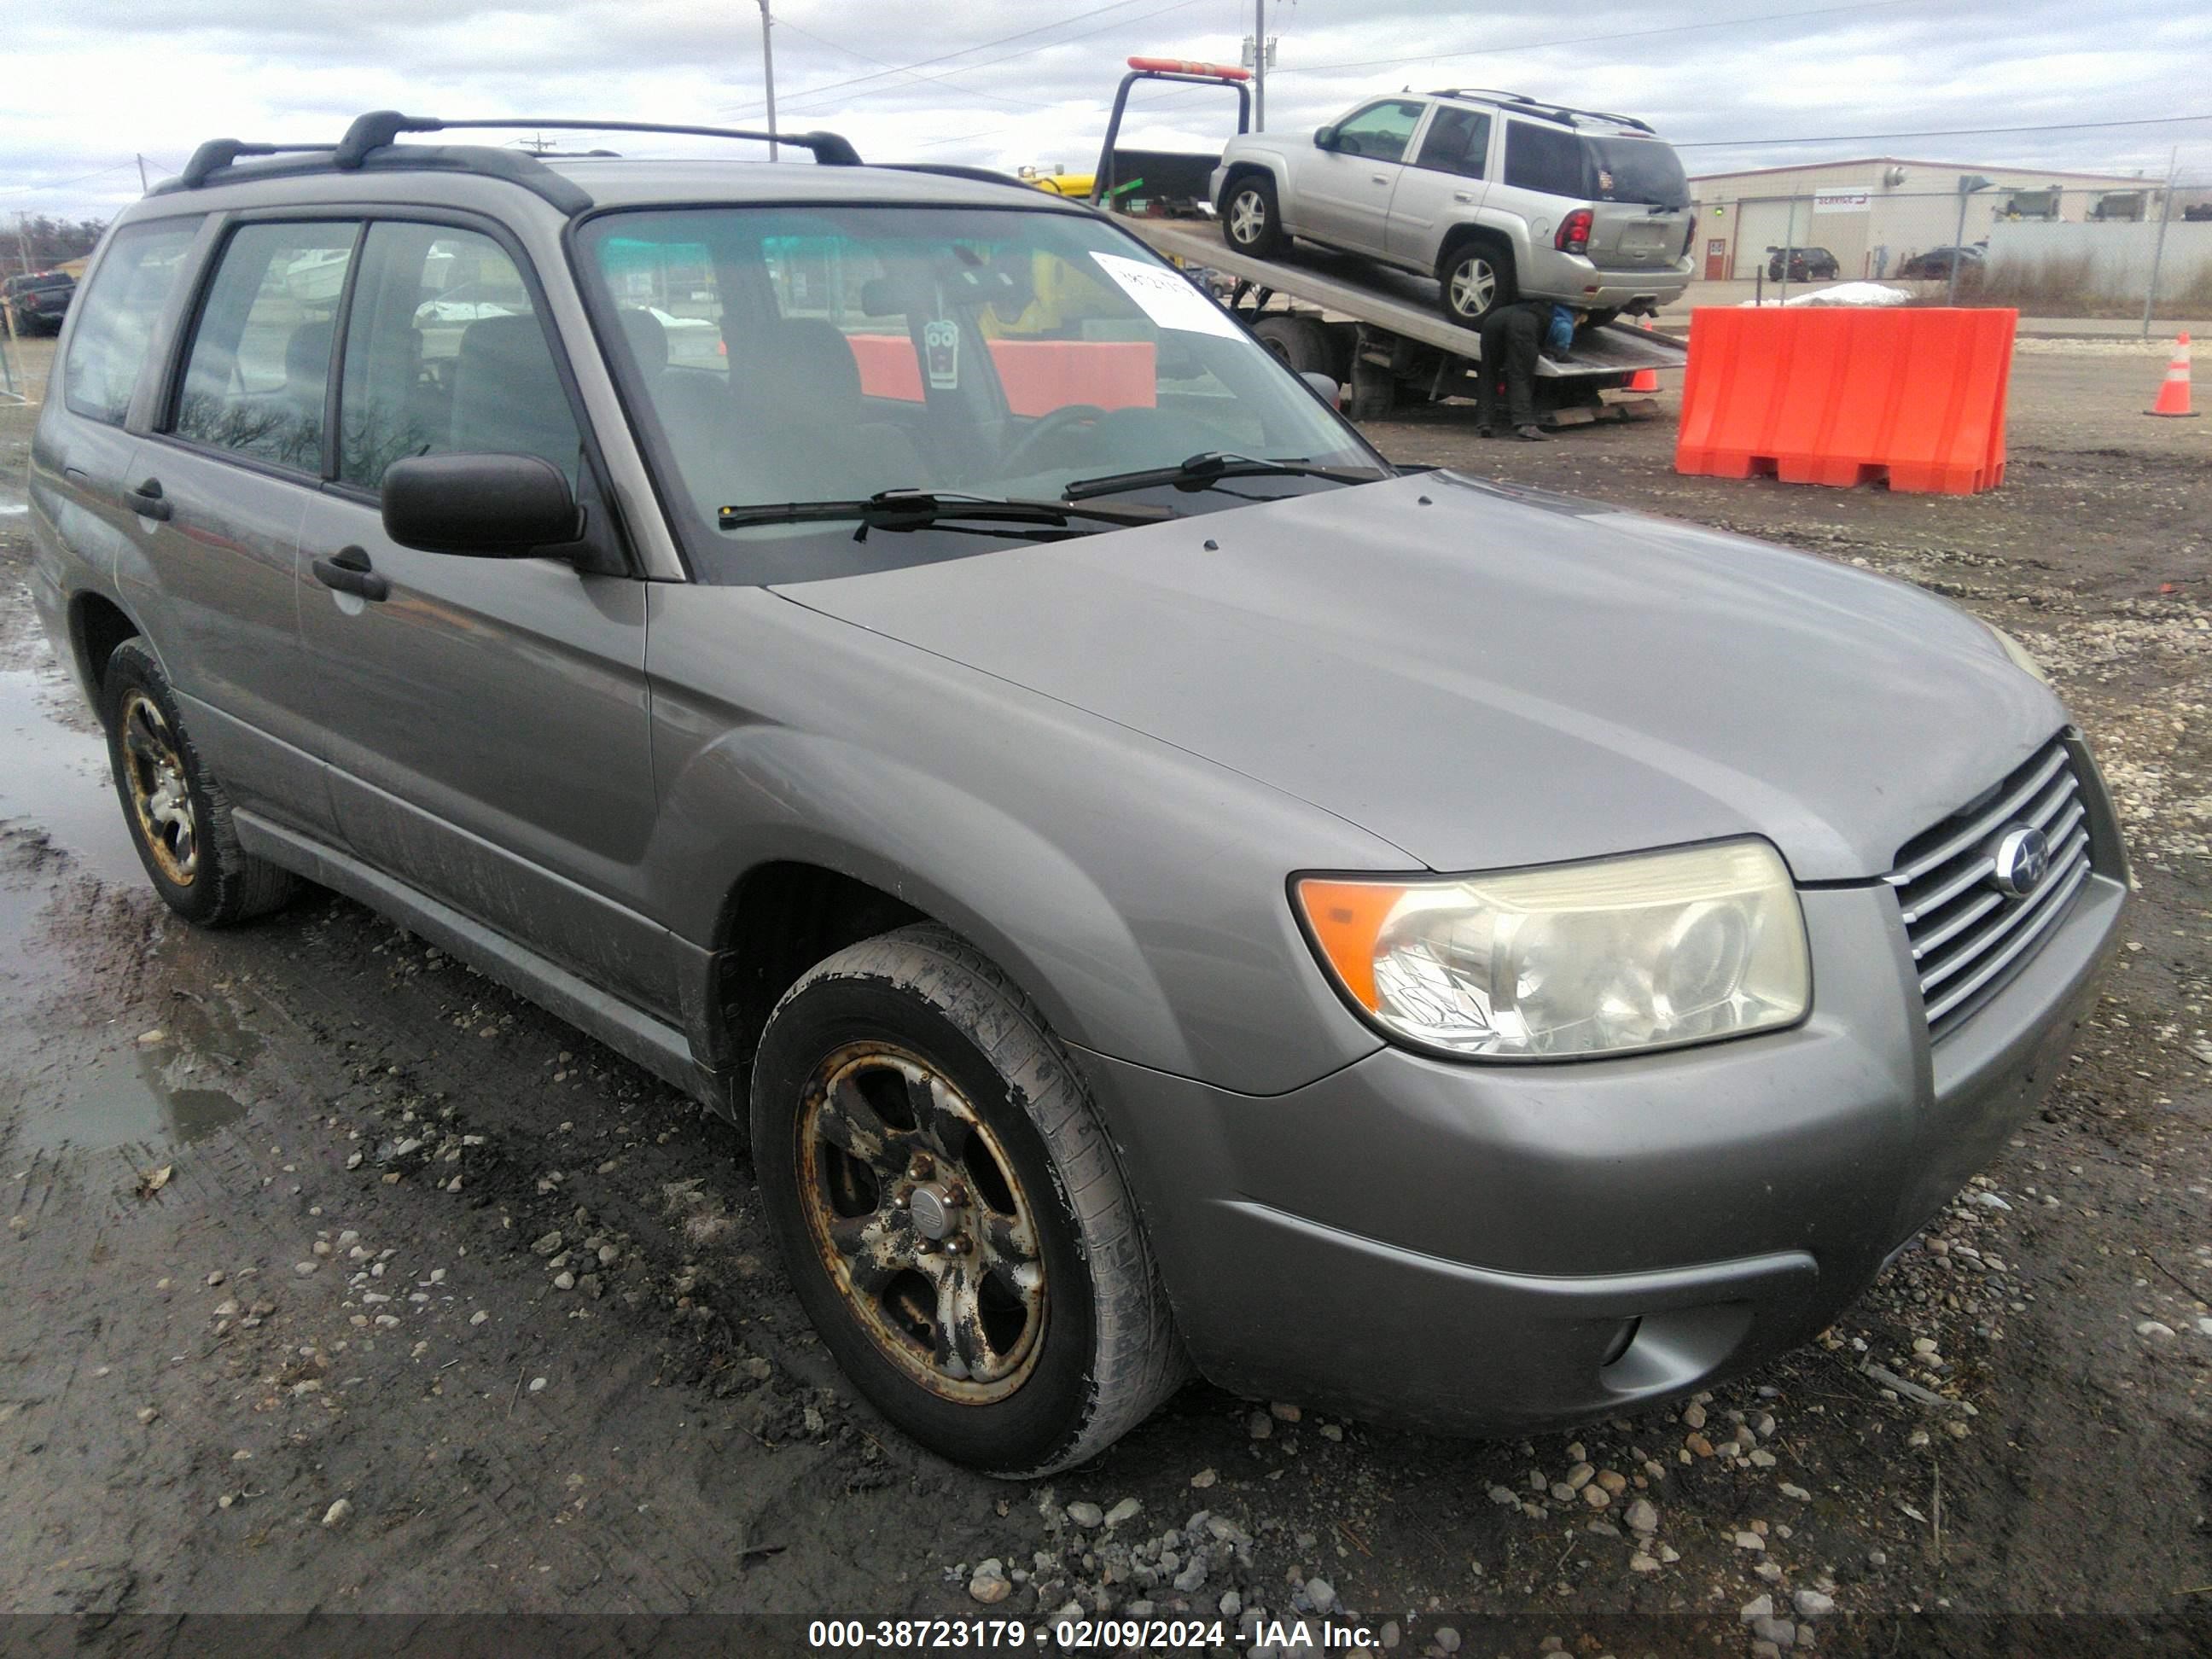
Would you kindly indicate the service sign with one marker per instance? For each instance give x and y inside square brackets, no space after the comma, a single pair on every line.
[1841,200]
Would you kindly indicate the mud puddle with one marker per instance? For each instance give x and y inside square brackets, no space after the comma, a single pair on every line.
[54,777]
[173,1083]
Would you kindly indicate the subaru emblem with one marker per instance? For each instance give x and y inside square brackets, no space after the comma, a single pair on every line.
[2022,859]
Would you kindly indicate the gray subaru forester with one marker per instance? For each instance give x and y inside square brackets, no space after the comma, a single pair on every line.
[887,655]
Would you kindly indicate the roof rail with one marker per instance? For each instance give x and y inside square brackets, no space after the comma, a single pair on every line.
[961,170]
[370,141]
[1527,106]
[218,154]
[382,126]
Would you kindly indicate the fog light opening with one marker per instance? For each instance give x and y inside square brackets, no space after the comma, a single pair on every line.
[1621,1338]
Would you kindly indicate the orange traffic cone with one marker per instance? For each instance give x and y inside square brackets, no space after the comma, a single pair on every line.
[1644,379]
[2173,392]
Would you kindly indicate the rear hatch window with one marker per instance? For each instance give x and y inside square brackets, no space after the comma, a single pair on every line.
[1588,167]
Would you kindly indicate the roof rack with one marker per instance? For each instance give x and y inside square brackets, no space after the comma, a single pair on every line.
[1563,114]
[371,142]
[382,126]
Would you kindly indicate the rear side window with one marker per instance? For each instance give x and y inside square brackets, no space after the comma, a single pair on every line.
[258,372]
[1543,158]
[1458,141]
[445,355]
[116,317]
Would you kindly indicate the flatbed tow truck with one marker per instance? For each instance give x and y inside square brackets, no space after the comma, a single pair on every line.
[1379,333]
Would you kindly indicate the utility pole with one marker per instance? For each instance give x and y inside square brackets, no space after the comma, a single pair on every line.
[2158,248]
[23,240]
[1259,65]
[142,175]
[767,73]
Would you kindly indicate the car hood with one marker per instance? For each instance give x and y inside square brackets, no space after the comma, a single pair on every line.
[1488,676]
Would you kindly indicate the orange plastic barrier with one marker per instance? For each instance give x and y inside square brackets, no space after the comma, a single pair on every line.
[1827,395]
[1038,376]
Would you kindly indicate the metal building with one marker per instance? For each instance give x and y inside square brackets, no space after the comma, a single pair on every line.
[1875,213]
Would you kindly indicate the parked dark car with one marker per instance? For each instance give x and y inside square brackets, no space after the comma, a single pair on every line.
[36,303]
[1165,889]
[1807,265]
[1937,262]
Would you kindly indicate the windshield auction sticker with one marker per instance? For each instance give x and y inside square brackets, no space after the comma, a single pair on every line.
[1169,300]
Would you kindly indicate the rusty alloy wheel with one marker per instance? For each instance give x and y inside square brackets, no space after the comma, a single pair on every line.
[916,1211]
[160,799]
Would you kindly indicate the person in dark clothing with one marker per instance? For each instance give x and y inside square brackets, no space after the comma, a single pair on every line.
[1512,339]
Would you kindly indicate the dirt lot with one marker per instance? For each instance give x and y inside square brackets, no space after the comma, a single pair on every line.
[338,1279]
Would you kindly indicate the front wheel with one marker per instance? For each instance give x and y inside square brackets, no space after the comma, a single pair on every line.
[953,1220]
[1253,221]
[1473,283]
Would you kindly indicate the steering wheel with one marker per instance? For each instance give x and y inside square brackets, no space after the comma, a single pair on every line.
[1065,419]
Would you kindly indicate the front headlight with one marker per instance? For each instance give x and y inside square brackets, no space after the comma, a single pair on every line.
[1648,951]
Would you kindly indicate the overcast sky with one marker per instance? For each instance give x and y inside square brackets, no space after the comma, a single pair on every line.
[89,83]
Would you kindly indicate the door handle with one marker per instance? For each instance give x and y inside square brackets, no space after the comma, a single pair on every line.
[348,571]
[147,501]
[1461,196]
[1381,179]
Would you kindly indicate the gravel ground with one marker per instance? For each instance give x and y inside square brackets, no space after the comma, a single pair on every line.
[339,1279]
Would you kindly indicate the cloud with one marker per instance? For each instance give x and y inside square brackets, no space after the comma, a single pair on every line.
[96,83]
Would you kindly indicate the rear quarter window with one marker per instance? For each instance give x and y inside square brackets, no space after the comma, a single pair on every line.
[116,317]
[1543,158]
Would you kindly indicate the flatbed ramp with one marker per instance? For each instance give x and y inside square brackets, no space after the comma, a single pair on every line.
[1345,289]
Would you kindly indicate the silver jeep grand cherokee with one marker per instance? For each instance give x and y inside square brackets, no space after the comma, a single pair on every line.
[888,655]
[1496,195]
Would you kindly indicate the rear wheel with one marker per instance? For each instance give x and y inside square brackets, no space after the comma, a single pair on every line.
[177,815]
[1475,279]
[1252,220]
[952,1217]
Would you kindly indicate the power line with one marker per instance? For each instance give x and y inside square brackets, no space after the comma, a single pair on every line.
[946,57]
[1593,39]
[1062,40]
[1942,133]
[789,26]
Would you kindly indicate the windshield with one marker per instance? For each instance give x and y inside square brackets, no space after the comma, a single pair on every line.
[821,354]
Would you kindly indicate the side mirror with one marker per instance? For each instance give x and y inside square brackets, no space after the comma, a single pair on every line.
[1324,387]
[1324,138]
[497,506]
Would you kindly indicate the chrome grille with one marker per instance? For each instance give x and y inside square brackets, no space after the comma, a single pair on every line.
[1968,934]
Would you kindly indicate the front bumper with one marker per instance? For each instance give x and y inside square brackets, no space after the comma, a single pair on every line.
[1493,1250]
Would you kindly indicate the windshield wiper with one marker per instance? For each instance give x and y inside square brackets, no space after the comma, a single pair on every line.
[917,509]
[1199,471]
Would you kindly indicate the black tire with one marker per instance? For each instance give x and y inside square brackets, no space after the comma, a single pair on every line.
[1301,344]
[1473,280]
[1102,1353]
[177,813]
[1252,216]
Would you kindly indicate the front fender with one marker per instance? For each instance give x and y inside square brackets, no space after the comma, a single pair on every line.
[1134,890]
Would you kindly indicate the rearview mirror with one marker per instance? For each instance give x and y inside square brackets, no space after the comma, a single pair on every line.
[1324,138]
[1324,387]
[499,506]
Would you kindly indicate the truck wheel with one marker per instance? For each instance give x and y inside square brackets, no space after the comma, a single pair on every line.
[1301,344]
[1475,279]
[1253,221]
[178,814]
[951,1213]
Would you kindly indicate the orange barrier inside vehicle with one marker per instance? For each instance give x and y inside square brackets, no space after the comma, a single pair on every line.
[1038,375]
[1827,395]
